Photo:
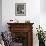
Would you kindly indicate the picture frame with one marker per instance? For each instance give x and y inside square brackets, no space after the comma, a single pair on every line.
[20,9]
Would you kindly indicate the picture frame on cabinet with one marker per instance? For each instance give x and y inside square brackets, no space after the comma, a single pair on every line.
[20,9]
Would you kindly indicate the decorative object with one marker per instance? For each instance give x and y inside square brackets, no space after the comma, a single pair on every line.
[20,9]
[41,36]
[27,21]
[7,38]
[13,21]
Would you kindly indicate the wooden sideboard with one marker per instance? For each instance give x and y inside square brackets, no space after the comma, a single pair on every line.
[22,33]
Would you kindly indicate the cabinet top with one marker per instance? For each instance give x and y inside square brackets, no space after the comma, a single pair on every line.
[19,23]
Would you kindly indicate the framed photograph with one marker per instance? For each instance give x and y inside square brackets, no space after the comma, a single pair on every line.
[20,9]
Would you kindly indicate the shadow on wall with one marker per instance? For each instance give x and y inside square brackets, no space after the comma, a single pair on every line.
[0,15]
[43,6]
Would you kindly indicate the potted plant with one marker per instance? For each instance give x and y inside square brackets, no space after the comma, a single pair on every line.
[41,36]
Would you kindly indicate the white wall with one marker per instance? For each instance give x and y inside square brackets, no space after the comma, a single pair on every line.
[0,15]
[33,13]
[43,6]
[32,10]
[43,14]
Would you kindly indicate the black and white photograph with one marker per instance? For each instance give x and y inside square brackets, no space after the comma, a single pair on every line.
[20,9]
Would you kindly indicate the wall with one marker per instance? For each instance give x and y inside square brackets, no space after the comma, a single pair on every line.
[34,13]
[43,6]
[0,14]
[43,14]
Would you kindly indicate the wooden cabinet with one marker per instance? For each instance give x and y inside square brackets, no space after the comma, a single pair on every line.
[22,33]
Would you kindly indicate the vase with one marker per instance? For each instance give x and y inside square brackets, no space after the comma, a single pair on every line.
[41,43]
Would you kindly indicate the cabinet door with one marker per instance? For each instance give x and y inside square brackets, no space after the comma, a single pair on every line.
[20,37]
